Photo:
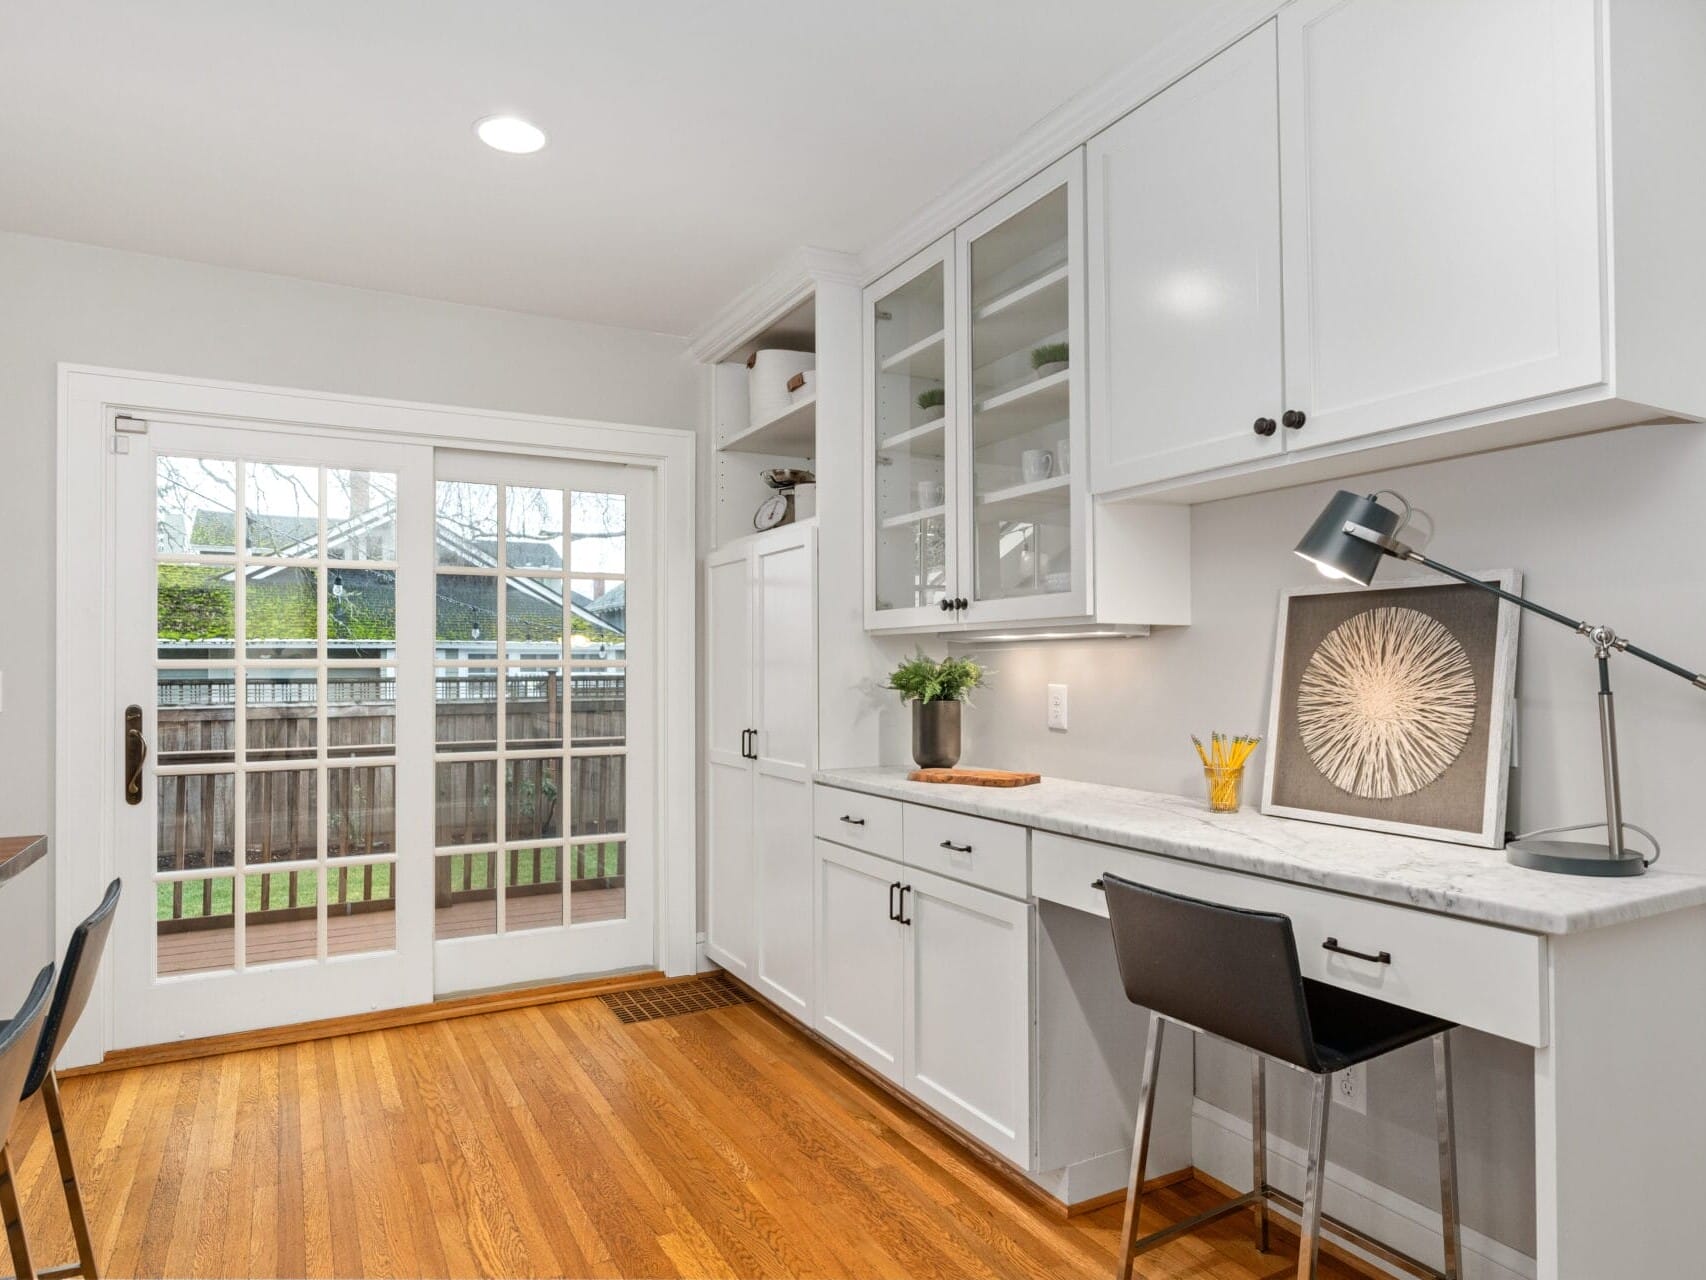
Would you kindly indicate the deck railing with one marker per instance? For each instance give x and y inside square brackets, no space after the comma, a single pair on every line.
[196,813]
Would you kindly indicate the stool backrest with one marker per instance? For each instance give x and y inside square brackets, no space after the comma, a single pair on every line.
[17,1038]
[1227,971]
[82,962]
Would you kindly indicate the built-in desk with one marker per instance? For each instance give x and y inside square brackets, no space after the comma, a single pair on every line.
[1600,978]
[26,916]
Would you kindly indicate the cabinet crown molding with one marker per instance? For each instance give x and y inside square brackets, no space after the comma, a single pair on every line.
[790,284]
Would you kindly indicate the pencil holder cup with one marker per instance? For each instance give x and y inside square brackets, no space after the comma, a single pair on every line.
[1224,784]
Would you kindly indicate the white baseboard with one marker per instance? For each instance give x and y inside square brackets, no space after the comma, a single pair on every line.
[1220,1147]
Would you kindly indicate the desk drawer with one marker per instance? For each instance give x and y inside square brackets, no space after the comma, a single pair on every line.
[1480,975]
[856,820]
[976,850]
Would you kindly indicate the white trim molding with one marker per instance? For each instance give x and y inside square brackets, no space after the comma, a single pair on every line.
[768,300]
[86,709]
[1214,27]
[1220,1147]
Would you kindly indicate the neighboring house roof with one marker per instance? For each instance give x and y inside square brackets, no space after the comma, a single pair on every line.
[212,531]
[613,603]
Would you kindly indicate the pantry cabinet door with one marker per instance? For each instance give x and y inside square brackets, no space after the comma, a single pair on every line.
[1440,168]
[730,922]
[1184,280]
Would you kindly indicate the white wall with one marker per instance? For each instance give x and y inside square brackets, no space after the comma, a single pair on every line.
[1607,526]
[70,302]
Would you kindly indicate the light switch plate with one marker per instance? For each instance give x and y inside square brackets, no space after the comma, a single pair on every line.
[1057,707]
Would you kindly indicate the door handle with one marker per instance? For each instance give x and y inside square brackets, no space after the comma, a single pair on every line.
[753,749]
[1332,944]
[901,915]
[894,909]
[956,848]
[135,754]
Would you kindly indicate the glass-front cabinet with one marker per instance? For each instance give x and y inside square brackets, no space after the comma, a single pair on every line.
[974,420]
[910,411]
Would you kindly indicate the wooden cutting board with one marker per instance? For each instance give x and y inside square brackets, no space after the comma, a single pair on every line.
[976,777]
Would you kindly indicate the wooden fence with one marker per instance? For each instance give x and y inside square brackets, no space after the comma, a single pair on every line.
[196,722]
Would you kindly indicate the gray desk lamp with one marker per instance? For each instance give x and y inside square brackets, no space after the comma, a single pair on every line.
[1348,540]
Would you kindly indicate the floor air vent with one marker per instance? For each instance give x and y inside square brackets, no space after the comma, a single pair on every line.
[647,1003]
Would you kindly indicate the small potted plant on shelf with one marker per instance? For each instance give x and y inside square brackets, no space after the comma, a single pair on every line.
[1049,358]
[932,402]
[936,690]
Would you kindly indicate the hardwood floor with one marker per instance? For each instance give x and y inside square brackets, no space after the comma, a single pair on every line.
[556,1141]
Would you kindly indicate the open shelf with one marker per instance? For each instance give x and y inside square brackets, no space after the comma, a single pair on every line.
[1021,318]
[1035,497]
[923,359]
[1025,407]
[792,433]
[914,517]
[927,441]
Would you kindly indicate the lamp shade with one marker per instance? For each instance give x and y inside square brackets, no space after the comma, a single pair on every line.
[1338,554]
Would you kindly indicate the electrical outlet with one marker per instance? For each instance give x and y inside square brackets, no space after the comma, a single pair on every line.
[1350,1088]
[1057,707]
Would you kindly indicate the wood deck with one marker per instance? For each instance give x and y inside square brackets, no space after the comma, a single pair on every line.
[555,1141]
[199,950]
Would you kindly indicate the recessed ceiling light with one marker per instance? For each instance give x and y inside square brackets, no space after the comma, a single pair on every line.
[511,134]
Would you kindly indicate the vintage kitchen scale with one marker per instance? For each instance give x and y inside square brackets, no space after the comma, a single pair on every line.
[782,507]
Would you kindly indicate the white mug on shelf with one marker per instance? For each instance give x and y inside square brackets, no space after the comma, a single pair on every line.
[1035,465]
[929,493]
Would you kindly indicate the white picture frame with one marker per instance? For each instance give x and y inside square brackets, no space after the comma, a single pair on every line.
[1286,753]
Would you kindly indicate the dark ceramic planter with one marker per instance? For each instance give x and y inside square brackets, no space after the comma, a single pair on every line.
[936,734]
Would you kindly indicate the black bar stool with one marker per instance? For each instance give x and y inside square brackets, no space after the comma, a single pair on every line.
[76,977]
[17,1037]
[1233,974]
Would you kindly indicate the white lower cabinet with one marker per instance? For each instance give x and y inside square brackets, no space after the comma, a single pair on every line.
[860,960]
[928,981]
[968,1009]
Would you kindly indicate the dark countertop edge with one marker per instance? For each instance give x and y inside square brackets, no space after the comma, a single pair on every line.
[23,858]
[1535,920]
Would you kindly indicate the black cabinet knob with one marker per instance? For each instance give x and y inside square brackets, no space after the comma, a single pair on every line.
[1266,426]
[947,604]
[962,603]
[1294,418]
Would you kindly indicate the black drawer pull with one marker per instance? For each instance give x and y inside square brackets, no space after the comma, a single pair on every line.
[956,848]
[894,908]
[851,821]
[1097,884]
[901,915]
[1332,944]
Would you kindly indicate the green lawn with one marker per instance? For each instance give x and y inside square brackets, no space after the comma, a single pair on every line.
[532,866]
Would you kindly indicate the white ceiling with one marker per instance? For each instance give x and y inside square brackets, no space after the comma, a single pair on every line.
[694,143]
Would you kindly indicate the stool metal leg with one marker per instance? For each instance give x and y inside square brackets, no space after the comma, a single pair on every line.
[1259,1149]
[1314,1178]
[14,1219]
[1140,1144]
[1449,1207]
[68,1178]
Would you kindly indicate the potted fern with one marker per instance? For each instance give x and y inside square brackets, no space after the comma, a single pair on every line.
[935,690]
[932,401]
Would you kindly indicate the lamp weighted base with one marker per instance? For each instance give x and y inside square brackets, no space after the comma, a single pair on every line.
[1568,858]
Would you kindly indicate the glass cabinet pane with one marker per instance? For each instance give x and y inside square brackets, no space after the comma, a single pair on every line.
[1021,494]
[913,413]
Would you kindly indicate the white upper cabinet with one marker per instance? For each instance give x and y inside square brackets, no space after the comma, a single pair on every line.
[910,412]
[1440,184]
[1379,232]
[1024,520]
[1184,254]
[978,511]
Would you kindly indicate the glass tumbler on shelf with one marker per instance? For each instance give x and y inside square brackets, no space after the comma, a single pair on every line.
[1224,783]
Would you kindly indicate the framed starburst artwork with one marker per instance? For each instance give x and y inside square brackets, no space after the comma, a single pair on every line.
[1392,707]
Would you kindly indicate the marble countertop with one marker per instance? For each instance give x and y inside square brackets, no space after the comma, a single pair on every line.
[1451,879]
[19,852]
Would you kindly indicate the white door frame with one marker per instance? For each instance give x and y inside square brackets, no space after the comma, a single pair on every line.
[86,719]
